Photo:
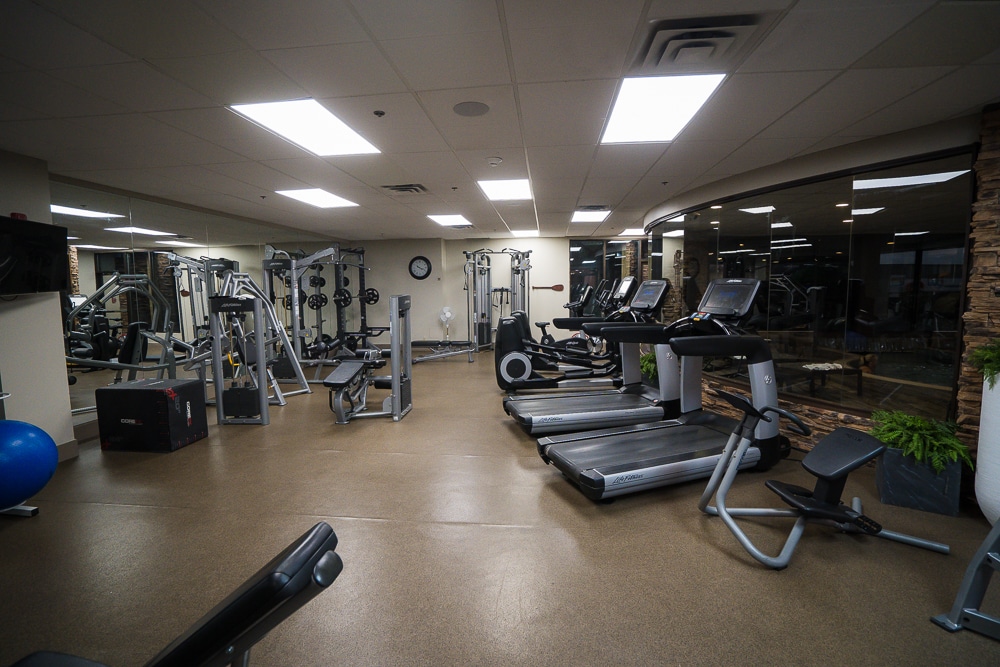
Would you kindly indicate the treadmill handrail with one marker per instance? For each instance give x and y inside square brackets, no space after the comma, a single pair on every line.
[754,348]
[629,332]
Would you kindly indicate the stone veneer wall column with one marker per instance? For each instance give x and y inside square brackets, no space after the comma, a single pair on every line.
[982,308]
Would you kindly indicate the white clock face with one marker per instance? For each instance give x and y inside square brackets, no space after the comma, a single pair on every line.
[420,267]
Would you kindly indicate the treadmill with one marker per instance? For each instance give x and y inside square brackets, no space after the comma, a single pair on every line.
[633,403]
[615,461]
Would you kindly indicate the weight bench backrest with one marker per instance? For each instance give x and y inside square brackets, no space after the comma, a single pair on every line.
[224,636]
[294,577]
[133,350]
[345,373]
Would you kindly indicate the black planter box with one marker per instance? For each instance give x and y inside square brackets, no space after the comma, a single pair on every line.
[151,415]
[903,482]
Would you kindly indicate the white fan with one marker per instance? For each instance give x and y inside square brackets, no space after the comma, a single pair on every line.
[446,316]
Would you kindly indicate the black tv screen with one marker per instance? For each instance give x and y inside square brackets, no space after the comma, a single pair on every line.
[33,257]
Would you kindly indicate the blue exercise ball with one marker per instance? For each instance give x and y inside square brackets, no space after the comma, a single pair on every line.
[28,458]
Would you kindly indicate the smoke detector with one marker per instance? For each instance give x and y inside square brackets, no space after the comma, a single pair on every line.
[494,161]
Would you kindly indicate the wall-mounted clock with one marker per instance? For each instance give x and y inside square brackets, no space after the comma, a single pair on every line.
[420,267]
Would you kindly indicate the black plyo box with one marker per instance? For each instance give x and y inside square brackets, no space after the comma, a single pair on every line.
[151,415]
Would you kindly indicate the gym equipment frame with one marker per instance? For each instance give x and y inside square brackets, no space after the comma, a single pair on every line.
[480,291]
[349,382]
[965,613]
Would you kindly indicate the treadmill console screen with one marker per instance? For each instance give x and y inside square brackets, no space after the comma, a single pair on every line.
[729,297]
[650,295]
[624,287]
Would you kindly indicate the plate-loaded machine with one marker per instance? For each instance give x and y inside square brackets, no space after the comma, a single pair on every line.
[632,403]
[613,462]
[349,382]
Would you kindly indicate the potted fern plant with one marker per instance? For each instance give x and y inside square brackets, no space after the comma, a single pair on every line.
[647,366]
[986,358]
[922,466]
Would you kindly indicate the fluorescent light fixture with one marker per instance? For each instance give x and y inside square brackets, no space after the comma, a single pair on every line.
[182,244]
[759,254]
[717,207]
[843,205]
[734,252]
[656,254]
[758,209]
[72,238]
[778,225]
[794,245]
[589,216]
[773,241]
[589,261]
[866,211]
[317,197]
[82,212]
[96,247]
[674,233]
[138,230]
[849,220]
[714,222]
[450,220]
[524,233]
[633,231]
[575,248]
[678,218]
[506,190]
[910,233]
[903,181]
[656,108]
[618,241]
[308,124]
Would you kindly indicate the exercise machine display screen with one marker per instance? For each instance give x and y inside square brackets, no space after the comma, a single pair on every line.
[625,287]
[650,295]
[729,297]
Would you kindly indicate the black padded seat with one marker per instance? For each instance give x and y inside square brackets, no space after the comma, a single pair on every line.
[345,373]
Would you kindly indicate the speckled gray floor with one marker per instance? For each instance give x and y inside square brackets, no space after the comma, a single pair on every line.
[461,548]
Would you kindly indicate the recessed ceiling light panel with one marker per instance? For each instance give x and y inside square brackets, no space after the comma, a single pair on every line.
[656,108]
[317,197]
[524,233]
[450,220]
[82,212]
[903,181]
[590,216]
[506,190]
[308,124]
[138,230]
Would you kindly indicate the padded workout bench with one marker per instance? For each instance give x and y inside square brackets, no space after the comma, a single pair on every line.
[349,381]
[225,635]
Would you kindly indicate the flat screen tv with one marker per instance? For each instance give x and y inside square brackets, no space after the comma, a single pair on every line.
[33,257]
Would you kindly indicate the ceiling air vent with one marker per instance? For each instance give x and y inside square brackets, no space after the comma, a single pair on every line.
[406,189]
[710,44]
[594,207]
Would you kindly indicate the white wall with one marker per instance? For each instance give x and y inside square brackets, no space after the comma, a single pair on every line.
[32,357]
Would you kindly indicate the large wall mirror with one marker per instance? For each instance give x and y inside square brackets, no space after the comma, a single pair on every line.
[863,282]
[113,237]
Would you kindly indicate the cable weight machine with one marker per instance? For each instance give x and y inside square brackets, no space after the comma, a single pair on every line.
[483,297]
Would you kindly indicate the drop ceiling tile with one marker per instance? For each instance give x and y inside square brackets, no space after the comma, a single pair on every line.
[11,111]
[229,130]
[236,77]
[372,170]
[949,33]
[850,97]
[338,70]
[606,190]
[390,19]
[626,161]
[133,129]
[110,157]
[315,171]
[133,85]
[439,171]
[513,165]
[265,24]
[553,162]
[499,125]
[65,45]
[260,176]
[559,195]
[149,29]
[568,52]
[47,95]
[960,93]
[524,14]
[42,138]
[745,103]
[678,9]
[759,152]
[451,61]
[565,113]
[404,127]
[818,35]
